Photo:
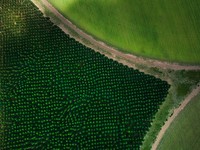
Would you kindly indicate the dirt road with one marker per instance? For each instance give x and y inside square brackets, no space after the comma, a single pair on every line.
[111,52]
[195,92]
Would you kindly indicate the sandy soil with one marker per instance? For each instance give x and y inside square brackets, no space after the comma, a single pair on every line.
[195,92]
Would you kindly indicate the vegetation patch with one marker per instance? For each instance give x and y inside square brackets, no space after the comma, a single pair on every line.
[177,138]
[58,94]
[182,83]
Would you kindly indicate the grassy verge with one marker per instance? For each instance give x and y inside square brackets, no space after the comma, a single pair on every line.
[182,84]
[158,122]
[184,131]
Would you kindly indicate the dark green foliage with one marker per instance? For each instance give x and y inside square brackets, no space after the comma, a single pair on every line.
[58,94]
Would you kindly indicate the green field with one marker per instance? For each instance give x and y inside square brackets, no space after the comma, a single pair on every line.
[165,30]
[184,131]
[58,94]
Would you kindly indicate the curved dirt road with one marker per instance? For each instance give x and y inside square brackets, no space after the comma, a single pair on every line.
[195,92]
[111,52]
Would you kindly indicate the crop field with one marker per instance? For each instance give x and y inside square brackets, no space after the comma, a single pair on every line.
[58,94]
[164,30]
[184,131]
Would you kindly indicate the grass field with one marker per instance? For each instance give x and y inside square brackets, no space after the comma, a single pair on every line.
[184,131]
[167,30]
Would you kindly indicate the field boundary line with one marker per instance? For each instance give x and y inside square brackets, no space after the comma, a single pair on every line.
[176,111]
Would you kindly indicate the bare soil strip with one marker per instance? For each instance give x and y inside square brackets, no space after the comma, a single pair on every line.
[111,52]
[195,92]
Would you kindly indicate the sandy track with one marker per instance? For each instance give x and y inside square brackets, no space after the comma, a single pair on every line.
[111,52]
[195,92]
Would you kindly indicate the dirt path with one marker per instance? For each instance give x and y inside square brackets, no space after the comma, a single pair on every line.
[195,92]
[111,52]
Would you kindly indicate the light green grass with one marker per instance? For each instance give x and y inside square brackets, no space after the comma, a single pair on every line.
[184,131]
[165,30]
[183,83]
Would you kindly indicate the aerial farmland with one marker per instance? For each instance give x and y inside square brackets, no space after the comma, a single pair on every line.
[99,74]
